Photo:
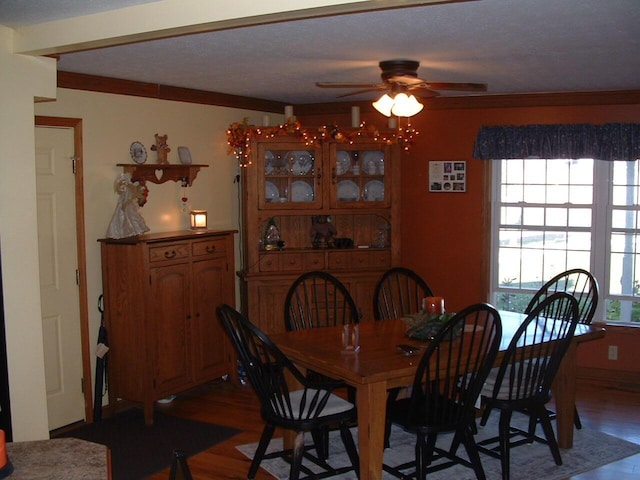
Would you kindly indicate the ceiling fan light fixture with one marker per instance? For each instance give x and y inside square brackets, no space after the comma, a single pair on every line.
[406,105]
[384,105]
[401,105]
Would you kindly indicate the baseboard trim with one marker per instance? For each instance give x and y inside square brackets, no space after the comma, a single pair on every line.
[613,378]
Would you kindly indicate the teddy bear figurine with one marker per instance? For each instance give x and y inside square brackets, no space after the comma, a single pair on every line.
[162,148]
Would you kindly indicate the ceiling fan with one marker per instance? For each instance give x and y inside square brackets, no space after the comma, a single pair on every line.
[400,79]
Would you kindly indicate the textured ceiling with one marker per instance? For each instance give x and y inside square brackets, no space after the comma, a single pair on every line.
[514,46]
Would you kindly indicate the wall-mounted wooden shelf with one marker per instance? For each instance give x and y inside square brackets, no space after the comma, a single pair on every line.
[160,173]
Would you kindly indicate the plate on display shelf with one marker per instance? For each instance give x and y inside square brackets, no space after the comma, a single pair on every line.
[374,191]
[343,162]
[268,162]
[271,192]
[373,163]
[299,161]
[138,152]
[301,192]
[348,191]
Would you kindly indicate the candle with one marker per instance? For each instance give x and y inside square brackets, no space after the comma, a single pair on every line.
[3,450]
[266,120]
[288,113]
[355,117]
[434,305]
[392,122]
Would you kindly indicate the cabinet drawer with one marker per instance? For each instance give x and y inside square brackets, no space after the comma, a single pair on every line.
[269,263]
[210,246]
[339,260]
[360,259]
[172,251]
[381,259]
[313,261]
[291,262]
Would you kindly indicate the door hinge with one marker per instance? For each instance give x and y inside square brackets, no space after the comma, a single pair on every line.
[82,384]
[74,165]
[77,277]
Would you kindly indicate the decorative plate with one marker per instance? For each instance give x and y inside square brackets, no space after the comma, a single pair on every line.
[271,192]
[374,191]
[348,191]
[300,162]
[373,162]
[138,152]
[301,192]
[268,162]
[343,162]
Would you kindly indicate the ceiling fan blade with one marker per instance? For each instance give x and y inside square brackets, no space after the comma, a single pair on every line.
[464,87]
[348,85]
[365,90]
[423,92]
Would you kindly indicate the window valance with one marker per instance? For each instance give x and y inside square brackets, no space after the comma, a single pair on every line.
[611,141]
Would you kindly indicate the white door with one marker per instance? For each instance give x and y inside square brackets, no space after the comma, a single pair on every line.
[58,267]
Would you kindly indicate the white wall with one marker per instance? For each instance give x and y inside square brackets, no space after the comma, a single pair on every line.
[110,124]
[21,79]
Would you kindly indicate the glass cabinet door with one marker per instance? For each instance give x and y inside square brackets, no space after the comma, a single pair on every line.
[359,176]
[289,176]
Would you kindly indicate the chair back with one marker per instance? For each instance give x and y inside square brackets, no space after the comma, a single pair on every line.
[267,368]
[533,356]
[454,367]
[179,467]
[577,282]
[399,292]
[318,299]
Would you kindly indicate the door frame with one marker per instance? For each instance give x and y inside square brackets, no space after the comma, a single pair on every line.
[76,125]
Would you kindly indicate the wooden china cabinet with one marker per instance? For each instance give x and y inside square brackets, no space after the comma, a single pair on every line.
[160,297]
[291,185]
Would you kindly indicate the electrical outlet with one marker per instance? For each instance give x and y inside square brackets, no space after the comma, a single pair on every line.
[613,352]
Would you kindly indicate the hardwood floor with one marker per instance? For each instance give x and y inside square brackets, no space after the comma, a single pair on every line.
[609,410]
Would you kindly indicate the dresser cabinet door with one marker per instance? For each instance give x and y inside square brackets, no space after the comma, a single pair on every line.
[210,287]
[168,326]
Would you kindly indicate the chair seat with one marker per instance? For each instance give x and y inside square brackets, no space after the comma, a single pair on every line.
[334,405]
[443,419]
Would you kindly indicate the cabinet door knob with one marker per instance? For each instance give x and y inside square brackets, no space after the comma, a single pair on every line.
[210,248]
[170,254]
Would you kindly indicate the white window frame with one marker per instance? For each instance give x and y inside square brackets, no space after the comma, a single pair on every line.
[600,232]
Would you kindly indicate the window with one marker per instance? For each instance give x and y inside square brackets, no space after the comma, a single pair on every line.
[552,215]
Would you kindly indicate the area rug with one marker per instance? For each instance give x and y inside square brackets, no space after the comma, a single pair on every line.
[528,462]
[138,451]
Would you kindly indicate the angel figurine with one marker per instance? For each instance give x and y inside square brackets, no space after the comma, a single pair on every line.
[126,220]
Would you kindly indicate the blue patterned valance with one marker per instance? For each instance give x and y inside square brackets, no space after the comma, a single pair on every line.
[611,141]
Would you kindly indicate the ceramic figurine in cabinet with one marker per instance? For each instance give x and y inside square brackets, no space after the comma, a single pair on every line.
[322,231]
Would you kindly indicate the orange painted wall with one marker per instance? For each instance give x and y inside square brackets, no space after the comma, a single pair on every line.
[444,235]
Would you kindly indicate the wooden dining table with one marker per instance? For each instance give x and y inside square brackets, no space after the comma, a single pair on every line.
[379,365]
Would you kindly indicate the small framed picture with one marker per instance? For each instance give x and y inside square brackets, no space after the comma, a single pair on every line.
[448,176]
[184,155]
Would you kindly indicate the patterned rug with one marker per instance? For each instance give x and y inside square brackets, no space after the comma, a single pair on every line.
[528,462]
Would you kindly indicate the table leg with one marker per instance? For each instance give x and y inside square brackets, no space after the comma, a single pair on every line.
[564,391]
[371,400]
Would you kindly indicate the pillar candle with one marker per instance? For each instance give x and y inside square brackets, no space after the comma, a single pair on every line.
[266,120]
[3,449]
[355,117]
[288,113]
[434,305]
[392,122]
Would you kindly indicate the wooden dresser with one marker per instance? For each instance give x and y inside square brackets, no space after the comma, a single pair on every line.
[160,297]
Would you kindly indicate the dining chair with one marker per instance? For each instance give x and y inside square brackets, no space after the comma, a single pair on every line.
[398,292]
[584,287]
[179,467]
[447,382]
[317,299]
[523,380]
[302,410]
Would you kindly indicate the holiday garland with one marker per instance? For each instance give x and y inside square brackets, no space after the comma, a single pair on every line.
[240,134]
